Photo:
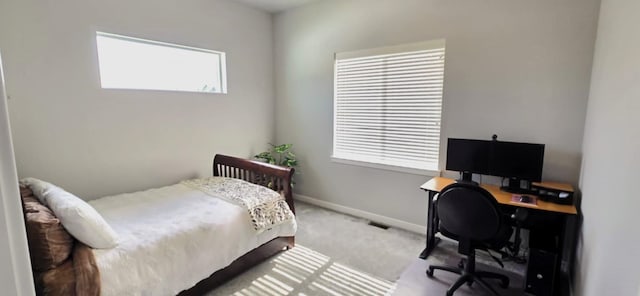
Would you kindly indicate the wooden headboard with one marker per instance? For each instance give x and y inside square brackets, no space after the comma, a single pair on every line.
[272,176]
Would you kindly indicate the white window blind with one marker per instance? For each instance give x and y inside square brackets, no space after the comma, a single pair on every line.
[388,104]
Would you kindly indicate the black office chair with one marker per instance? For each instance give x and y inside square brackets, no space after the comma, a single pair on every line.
[469,214]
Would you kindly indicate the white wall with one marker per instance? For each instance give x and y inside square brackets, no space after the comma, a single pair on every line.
[95,142]
[610,254]
[519,69]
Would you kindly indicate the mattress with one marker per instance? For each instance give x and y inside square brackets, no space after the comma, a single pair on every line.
[172,237]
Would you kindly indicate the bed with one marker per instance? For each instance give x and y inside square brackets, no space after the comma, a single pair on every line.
[171,240]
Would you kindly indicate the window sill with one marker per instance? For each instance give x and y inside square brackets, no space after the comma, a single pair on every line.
[394,168]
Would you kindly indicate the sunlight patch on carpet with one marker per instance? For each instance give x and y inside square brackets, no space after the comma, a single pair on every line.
[304,272]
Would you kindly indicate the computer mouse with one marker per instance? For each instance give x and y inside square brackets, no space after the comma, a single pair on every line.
[525,198]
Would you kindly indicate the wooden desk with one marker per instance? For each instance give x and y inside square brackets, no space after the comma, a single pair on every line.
[436,184]
[544,208]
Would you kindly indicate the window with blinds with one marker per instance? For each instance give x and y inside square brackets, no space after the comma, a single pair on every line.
[388,105]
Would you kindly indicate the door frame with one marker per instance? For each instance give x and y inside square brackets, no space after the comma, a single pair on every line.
[15,266]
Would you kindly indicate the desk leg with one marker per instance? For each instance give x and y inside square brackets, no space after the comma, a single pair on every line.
[432,227]
[567,254]
[570,237]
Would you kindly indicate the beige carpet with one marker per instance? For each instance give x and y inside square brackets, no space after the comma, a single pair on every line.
[335,254]
[302,271]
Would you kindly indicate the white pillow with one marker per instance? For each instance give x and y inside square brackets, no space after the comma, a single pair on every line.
[38,187]
[78,217]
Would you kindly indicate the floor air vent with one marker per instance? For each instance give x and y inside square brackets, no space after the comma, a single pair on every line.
[382,226]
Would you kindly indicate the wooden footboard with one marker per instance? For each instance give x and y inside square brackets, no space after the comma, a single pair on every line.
[264,174]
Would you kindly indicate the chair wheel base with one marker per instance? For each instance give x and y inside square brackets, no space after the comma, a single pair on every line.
[430,272]
[470,277]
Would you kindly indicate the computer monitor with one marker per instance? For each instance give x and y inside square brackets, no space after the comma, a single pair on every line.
[516,161]
[468,157]
[512,160]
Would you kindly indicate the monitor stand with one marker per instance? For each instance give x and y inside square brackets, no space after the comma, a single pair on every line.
[514,187]
[466,178]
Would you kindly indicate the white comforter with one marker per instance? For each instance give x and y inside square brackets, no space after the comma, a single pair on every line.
[170,238]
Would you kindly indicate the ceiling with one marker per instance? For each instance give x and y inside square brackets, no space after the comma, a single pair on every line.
[275,6]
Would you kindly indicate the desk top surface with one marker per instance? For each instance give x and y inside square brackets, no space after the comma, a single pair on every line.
[438,183]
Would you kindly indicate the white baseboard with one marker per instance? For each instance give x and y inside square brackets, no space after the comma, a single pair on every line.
[363,214]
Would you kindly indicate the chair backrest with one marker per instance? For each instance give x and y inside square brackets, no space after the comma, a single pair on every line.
[469,211]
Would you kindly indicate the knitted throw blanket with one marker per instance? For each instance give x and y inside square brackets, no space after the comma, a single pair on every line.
[266,207]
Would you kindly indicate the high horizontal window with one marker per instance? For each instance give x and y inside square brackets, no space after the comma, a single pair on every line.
[388,105]
[133,63]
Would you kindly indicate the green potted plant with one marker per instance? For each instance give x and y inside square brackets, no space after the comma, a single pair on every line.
[279,155]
